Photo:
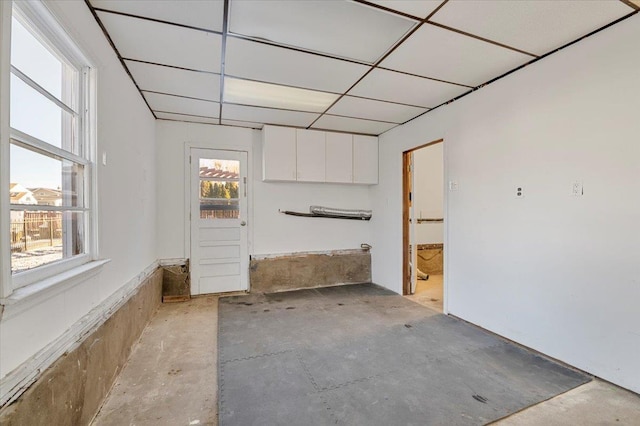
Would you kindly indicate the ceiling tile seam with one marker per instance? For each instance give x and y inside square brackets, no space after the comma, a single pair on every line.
[269,107]
[388,101]
[258,128]
[382,58]
[178,96]
[170,66]
[282,84]
[436,10]
[526,64]
[387,9]
[313,112]
[223,53]
[297,49]
[323,91]
[364,119]
[191,115]
[115,50]
[345,132]
[424,77]
[486,40]
[379,61]
[204,123]
[292,86]
[181,113]
[307,112]
[159,21]
[631,5]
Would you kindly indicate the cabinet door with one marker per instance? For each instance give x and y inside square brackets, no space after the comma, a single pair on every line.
[339,167]
[278,153]
[365,159]
[310,155]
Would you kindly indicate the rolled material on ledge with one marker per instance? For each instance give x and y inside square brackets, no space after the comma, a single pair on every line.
[330,211]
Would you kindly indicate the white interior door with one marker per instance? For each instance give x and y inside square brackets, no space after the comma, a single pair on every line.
[219,246]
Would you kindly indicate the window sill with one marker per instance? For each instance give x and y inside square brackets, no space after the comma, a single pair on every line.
[31,294]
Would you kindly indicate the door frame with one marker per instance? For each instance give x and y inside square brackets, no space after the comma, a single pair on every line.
[406,210]
[239,147]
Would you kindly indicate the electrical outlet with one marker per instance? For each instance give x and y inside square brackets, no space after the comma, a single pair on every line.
[519,192]
[576,189]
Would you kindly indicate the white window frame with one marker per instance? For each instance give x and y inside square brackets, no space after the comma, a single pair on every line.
[41,19]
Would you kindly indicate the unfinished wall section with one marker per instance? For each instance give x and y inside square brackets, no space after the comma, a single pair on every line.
[71,391]
[270,274]
[36,329]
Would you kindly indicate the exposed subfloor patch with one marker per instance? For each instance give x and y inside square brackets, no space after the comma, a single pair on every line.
[170,378]
[362,355]
[596,403]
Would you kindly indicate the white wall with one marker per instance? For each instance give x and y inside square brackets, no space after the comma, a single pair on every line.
[558,273]
[270,232]
[428,195]
[126,197]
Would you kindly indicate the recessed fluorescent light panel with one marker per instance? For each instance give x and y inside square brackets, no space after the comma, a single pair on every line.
[245,92]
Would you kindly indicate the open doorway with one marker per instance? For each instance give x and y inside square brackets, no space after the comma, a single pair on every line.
[423,225]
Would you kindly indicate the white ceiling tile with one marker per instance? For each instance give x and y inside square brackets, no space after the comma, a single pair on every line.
[185,117]
[243,124]
[258,61]
[408,89]
[194,13]
[450,56]
[340,28]
[536,27]
[173,81]
[352,125]
[374,110]
[163,43]
[179,105]
[267,115]
[419,8]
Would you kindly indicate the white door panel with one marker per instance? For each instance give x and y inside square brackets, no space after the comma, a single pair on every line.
[219,249]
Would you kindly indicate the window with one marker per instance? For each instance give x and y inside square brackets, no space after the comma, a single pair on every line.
[219,189]
[50,168]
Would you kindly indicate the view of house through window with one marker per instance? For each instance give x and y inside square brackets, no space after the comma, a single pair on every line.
[219,189]
[47,163]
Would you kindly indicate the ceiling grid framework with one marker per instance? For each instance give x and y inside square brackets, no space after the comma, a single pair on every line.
[360,66]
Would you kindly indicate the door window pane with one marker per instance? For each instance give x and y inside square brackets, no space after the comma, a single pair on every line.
[219,189]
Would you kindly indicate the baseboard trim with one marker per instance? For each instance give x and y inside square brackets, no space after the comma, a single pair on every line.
[19,380]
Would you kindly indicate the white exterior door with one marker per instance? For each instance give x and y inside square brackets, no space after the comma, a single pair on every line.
[219,246]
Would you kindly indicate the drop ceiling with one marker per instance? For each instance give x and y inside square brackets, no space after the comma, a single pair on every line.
[353,66]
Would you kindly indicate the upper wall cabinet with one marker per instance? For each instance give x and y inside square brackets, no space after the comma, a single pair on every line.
[365,159]
[315,156]
[310,156]
[339,158]
[279,153]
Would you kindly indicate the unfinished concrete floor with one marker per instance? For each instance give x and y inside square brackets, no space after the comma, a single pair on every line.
[171,379]
[429,292]
[171,376]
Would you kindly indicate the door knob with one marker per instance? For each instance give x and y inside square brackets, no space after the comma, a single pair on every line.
[243,223]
